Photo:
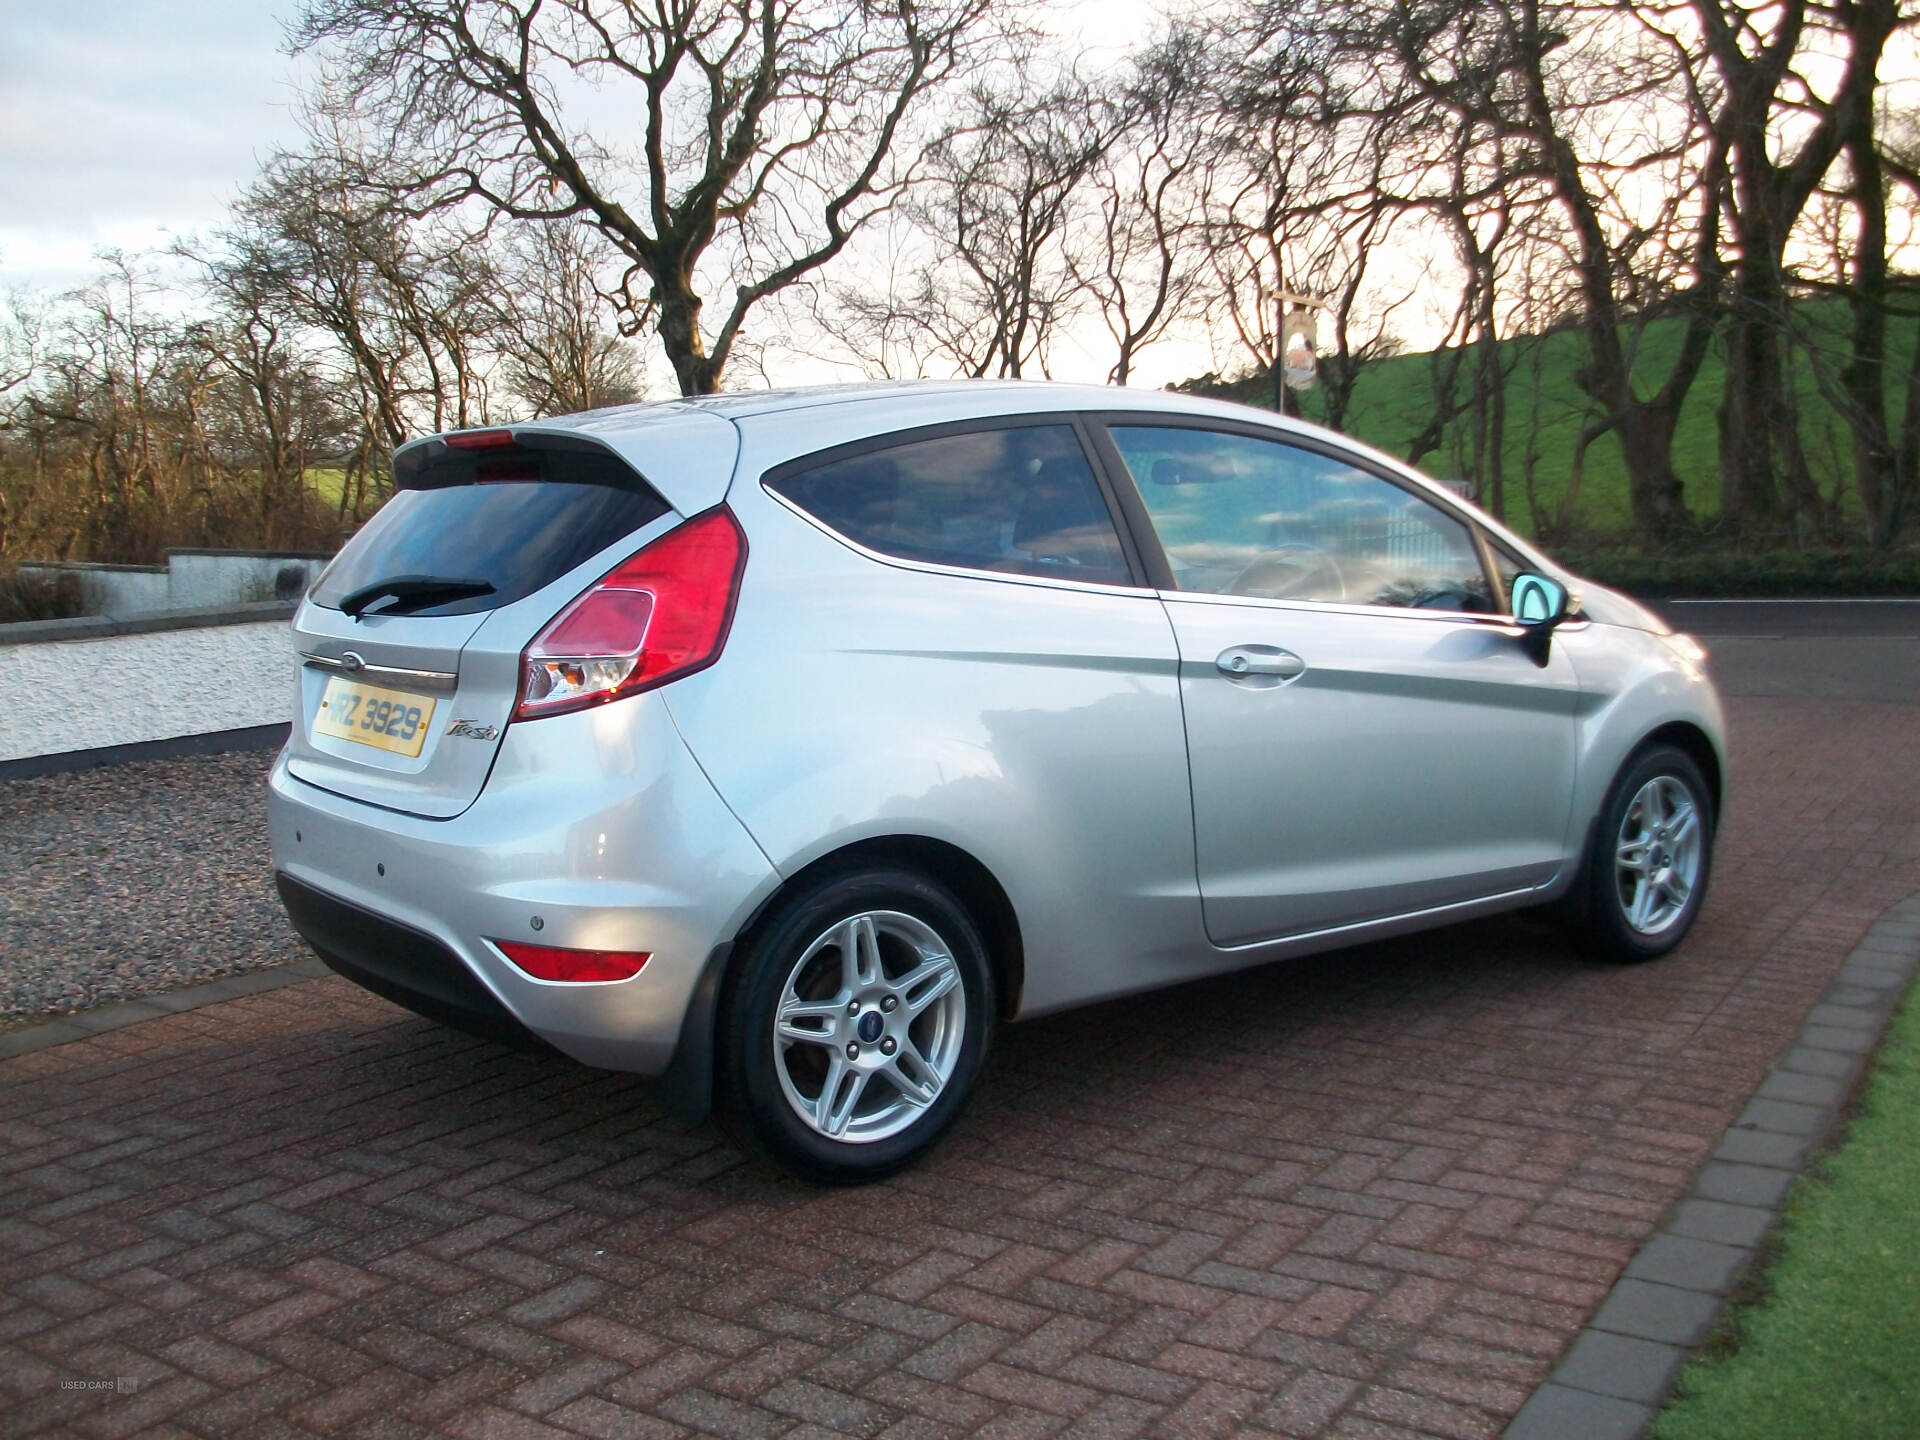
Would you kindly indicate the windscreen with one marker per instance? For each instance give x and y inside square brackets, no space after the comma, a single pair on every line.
[472,530]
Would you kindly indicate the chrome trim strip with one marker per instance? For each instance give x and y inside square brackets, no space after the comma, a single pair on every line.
[444,681]
[1423,917]
[1323,607]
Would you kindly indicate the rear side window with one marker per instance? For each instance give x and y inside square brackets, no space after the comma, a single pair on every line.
[512,521]
[1020,499]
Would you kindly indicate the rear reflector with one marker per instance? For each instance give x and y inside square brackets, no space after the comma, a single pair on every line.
[479,439]
[660,614]
[550,962]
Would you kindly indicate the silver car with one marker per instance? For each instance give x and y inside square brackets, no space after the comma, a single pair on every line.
[782,745]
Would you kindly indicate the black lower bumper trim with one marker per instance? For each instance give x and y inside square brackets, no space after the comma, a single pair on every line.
[400,964]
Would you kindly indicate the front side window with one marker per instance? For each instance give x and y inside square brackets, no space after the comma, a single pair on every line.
[1020,499]
[1240,515]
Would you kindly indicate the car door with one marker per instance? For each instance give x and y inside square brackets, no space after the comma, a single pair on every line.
[1365,738]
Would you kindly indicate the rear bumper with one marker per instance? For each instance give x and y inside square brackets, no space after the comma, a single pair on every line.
[595,830]
[398,964]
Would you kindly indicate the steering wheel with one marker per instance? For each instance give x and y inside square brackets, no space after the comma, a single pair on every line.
[1291,570]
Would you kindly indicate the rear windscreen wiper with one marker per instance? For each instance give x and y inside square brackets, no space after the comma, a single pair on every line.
[413,591]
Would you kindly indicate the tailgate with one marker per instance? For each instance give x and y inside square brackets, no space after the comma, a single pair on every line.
[410,642]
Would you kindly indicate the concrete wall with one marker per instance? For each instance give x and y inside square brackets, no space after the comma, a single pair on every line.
[190,580]
[110,589]
[228,577]
[59,695]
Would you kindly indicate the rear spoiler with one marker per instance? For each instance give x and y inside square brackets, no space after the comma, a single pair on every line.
[479,457]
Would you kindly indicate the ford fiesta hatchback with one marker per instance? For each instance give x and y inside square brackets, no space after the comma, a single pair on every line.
[780,746]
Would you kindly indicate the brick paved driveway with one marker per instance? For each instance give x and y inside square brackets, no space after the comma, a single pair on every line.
[1373,1194]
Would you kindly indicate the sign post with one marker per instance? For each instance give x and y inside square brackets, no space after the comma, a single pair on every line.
[1295,362]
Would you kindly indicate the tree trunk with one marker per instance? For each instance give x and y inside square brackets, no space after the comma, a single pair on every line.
[1645,432]
[1644,428]
[679,312]
[1494,427]
[1906,457]
[1489,401]
[1749,498]
[1764,477]
[1876,463]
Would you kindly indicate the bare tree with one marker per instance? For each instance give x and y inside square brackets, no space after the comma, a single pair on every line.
[766,129]
[20,341]
[267,405]
[1270,167]
[411,309]
[1293,174]
[1640,207]
[997,211]
[1139,260]
[867,319]
[1534,133]
[1489,209]
[107,382]
[1882,162]
[561,353]
[1761,61]
[20,359]
[142,428]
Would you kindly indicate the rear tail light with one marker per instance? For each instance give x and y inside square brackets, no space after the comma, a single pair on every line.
[550,962]
[662,614]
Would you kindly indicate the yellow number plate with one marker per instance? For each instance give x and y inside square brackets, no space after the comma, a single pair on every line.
[373,715]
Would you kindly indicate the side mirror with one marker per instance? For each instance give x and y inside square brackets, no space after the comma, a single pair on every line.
[1538,604]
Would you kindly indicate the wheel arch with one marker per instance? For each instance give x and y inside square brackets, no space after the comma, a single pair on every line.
[1577,906]
[686,1087]
[972,883]
[1694,743]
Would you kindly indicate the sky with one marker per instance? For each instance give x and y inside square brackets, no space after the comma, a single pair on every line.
[128,123]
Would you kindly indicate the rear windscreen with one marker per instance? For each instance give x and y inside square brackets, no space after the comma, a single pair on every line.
[515,535]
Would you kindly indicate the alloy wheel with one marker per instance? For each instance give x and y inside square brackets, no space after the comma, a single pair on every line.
[869,1026]
[1658,855]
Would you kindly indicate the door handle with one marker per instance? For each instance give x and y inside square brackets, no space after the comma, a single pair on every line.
[1244,661]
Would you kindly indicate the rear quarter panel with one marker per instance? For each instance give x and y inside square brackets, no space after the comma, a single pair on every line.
[1035,726]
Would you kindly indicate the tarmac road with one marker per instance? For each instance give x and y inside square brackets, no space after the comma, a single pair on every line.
[1814,649]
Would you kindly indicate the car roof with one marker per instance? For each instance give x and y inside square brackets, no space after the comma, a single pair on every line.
[742,404]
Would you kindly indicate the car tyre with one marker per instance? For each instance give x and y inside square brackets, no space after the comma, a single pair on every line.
[854,1021]
[1651,858]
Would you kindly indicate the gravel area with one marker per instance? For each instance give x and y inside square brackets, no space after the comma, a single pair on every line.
[125,880]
